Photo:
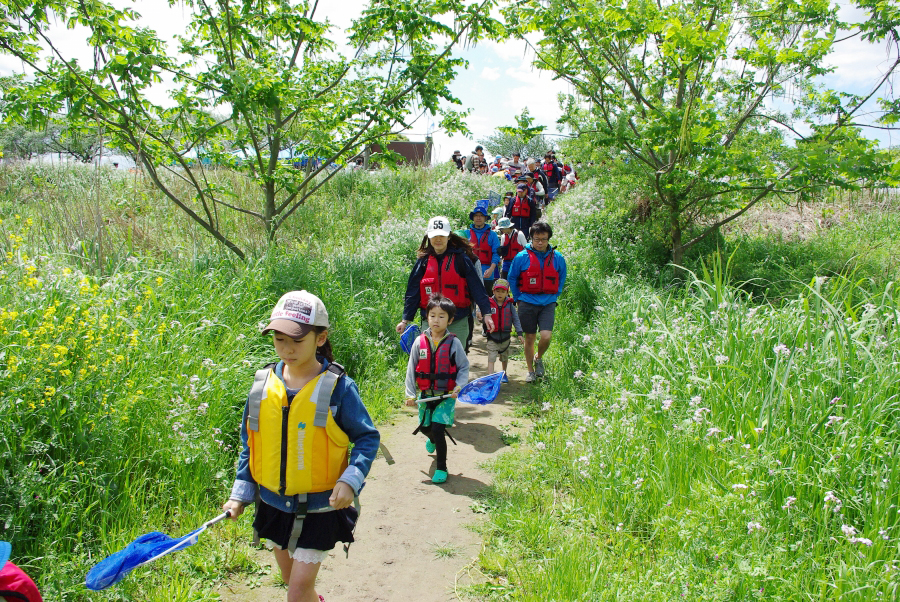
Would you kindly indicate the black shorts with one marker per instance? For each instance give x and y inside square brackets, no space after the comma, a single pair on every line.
[536,317]
[321,530]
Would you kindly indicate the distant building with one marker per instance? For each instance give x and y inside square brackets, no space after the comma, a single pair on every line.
[413,153]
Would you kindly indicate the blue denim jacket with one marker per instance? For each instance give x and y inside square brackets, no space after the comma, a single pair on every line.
[351,416]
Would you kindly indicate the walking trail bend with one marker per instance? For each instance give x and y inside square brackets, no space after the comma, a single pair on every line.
[415,540]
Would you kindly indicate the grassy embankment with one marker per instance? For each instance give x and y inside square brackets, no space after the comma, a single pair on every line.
[699,444]
[128,344]
[128,422]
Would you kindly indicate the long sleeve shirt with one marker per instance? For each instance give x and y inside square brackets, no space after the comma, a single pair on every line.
[412,300]
[351,416]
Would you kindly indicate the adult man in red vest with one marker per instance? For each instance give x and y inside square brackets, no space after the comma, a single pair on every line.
[536,278]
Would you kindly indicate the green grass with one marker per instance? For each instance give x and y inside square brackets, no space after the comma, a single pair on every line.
[691,443]
[126,359]
[128,342]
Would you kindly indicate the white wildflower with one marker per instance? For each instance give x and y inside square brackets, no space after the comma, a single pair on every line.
[781,349]
[721,359]
[788,502]
[753,526]
[832,420]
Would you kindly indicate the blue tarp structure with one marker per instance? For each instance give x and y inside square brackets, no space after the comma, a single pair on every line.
[142,550]
[408,337]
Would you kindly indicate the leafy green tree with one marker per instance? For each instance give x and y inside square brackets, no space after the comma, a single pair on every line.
[716,102]
[523,138]
[84,143]
[273,71]
[20,142]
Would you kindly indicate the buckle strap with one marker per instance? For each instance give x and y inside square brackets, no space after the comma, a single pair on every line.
[299,517]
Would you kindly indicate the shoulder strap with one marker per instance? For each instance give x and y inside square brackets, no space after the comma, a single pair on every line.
[257,392]
[324,390]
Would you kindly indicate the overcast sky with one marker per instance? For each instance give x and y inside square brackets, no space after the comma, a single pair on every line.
[499,81]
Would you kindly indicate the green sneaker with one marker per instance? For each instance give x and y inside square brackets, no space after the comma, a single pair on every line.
[429,446]
[440,476]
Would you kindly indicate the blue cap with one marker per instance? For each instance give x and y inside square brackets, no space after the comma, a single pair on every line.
[478,209]
[5,549]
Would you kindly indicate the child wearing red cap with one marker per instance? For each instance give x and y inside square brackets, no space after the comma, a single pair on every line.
[499,336]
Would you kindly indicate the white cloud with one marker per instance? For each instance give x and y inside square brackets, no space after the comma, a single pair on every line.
[490,73]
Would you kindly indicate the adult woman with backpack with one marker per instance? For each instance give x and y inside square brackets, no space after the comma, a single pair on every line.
[445,265]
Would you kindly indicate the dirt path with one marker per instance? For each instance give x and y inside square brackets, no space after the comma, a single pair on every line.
[414,537]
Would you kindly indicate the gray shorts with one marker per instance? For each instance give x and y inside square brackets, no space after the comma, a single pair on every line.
[496,350]
[536,317]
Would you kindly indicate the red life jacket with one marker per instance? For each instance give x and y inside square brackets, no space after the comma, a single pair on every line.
[512,245]
[521,207]
[548,170]
[445,280]
[540,279]
[436,370]
[502,321]
[482,247]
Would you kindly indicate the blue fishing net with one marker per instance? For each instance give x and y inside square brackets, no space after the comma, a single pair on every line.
[409,337]
[482,391]
[114,568]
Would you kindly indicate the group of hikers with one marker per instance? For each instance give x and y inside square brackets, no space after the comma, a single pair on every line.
[551,175]
[303,412]
[307,439]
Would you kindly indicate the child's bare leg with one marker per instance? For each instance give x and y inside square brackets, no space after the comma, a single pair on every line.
[490,367]
[503,363]
[285,563]
[302,586]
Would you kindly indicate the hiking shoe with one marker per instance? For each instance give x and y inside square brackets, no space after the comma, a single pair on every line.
[505,378]
[440,476]
[429,446]
[539,368]
[530,378]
